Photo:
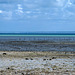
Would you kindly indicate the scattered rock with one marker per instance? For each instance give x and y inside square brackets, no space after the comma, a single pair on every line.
[8,68]
[44,59]
[23,74]
[50,59]
[26,58]
[4,53]
[53,57]
[67,71]
[31,59]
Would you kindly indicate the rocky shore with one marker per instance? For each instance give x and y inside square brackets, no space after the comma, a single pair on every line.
[37,63]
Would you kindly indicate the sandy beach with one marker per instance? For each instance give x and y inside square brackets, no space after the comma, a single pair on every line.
[37,63]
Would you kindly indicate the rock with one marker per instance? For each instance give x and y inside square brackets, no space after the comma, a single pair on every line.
[53,57]
[44,59]
[8,68]
[50,59]
[26,58]
[4,53]
[23,74]
[31,59]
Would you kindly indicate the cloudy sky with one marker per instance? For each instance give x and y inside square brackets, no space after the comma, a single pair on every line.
[37,15]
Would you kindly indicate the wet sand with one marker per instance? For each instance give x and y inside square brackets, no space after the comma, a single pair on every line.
[45,45]
[37,63]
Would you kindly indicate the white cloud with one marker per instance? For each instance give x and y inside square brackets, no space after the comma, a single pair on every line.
[28,12]
[42,8]
[60,2]
[19,6]
[1,11]
[7,15]
[68,9]
[19,11]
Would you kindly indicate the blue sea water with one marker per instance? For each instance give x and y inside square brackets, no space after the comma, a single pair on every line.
[39,34]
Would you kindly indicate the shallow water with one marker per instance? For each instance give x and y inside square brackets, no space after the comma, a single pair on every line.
[25,43]
[38,37]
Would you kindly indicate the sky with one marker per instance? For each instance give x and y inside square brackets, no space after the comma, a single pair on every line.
[37,15]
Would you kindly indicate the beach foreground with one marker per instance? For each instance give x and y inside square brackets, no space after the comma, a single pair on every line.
[37,63]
